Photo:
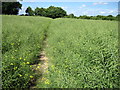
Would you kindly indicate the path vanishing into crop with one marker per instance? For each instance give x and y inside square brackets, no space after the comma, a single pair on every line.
[41,69]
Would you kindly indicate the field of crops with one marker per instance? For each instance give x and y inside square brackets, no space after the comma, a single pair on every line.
[82,53]
[21,43]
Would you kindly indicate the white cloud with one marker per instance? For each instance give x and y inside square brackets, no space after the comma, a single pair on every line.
[113,11]
[64,7]
[83,6]
[100,3]
[94,12]
[108,11]
[85,13]
[71,11]
[101,12]
[22,11]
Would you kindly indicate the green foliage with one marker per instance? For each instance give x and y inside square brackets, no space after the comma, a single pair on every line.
[98,17]
[52,12]
[11,8]
[55,12]
[109,16]
[40,11]
[70,16]
[29,11]
[21,43]
[84,17]
[83,54]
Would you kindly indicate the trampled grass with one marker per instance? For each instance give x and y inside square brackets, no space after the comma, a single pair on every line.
[82,53]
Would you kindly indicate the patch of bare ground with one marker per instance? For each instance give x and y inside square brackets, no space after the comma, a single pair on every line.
[40,69]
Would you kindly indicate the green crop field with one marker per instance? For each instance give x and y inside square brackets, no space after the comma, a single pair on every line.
[21,43]
[81,53]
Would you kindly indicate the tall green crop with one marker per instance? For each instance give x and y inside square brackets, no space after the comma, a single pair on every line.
[83,54]
[21,43]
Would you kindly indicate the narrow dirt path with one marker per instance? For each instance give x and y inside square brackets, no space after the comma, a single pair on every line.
[41,69]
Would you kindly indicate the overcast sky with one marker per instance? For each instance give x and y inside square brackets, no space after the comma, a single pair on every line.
[78,7]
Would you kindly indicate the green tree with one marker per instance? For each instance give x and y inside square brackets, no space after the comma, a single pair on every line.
[29,11]
[84,17]
[94,18]
[105,18]
[99,17]
[11,8]
[40,11]
[55,12]
[109,16]
[71,15]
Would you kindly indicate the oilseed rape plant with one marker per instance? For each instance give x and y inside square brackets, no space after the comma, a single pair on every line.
[81,53]
[21,43]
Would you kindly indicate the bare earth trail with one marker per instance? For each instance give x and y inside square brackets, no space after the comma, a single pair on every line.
[41,69]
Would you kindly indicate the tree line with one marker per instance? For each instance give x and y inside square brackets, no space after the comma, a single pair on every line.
[58,12]
[98,17]
[12,8]
[52,12]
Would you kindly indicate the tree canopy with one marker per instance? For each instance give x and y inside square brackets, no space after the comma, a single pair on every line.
[55,12]
[11,8]
[52,12]
[29,11]
[58,12]
[70,16]
[40,11]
